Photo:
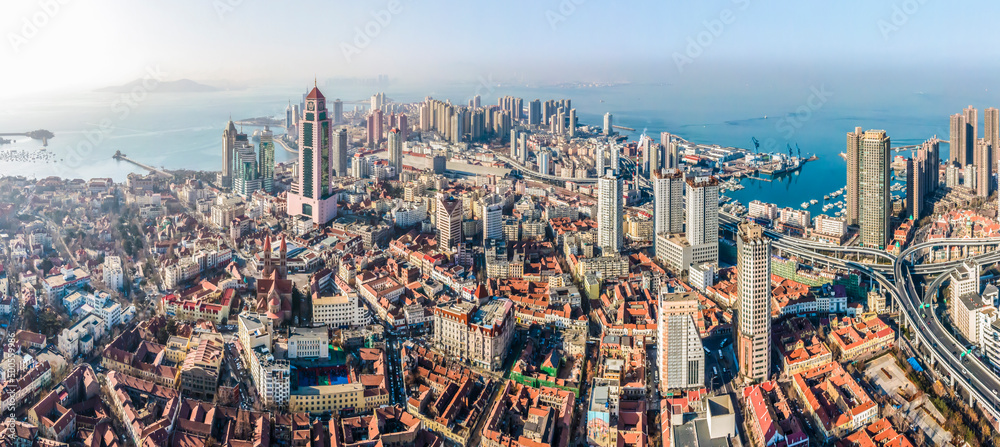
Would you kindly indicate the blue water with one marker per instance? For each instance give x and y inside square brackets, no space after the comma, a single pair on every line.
[184,130]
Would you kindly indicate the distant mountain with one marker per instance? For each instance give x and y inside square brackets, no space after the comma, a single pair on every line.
[178,86]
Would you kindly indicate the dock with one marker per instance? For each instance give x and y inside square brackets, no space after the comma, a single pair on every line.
[120,156]
[613,126]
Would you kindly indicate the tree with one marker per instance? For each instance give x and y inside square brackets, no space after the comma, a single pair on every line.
[45,266]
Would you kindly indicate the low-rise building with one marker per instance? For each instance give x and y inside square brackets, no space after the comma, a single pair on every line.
[852,408]
[857,337]
[479,334]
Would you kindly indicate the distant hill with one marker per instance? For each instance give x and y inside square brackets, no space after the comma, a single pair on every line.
[178,86]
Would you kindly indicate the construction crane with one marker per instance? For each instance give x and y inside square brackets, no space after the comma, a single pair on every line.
[756,145]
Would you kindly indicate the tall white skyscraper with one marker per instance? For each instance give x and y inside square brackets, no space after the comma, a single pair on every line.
[614,152]
[668,201]
[753,294]
[703,218]
[608,122]
[679,349]
[449,222]
[340,152]
[875,198]
[492,221]
[543,157]
[599,160]
[609,213]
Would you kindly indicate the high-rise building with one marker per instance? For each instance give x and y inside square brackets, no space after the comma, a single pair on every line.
[522,142]
[266,161]
[229,136]
[931,152]
[668,201]
[492,222]
[991,131]
[853,153]
[377,101]
[475,102]
[956,143]
[613,163]
[971,132]
[395,147]
[340,152]
[449,222]
[338,111]
[915,186]
[984,168]
[245,172]
[289,117]
[543,158]
[535,113]
[374,128]
[513,143]
[703,212]
[608,123]
[312,193]
[753,294]
[609,213]
[599,160]
[679,349]
[458,129]
[875,198]
[572,123]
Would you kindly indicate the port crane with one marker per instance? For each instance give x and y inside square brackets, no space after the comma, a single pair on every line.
[789,146]
[798,150]
[756,145]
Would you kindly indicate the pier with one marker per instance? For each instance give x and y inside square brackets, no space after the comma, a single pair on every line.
[613,126]
[284,145]
[120,156]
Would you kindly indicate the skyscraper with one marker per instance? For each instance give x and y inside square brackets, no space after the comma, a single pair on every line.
[668,201]
[853,153]
[753,294]
[915,186]
[991,131]
[374,128]
[679,349]
[228,148]
[931,150]
[609,213]
[608,123]
[984,165]
[449,222]
[572,123]
[956,142]
[875,198]
[535,113]
[395,147]
[492,222]
[599,160]
[312,194]
[522,142]
[513,143]
[613,157]
[703,218]
[971,132]
[289,117]
[246,172]
[543,155]
[338,111]
[265,162]
[340,152]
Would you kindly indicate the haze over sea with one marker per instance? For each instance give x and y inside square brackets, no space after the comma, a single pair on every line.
[184,131]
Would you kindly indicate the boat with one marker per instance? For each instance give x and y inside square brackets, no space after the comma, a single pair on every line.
[813,202]
[805,205]
[826,197]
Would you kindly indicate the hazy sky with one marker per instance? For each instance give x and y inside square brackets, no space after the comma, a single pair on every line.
[54,45]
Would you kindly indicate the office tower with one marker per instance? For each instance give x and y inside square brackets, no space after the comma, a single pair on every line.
[542,156]
[312,194]
[853,153]
[266,161]
[289,117]
[338,111]
[229,136]
[395,147]
[931,150]
[753,294]
[522,142]
[296,116]
[449,222]
[874,196]
[377,101]
[984,171]
[609,213]
[971,132]
[991,132]
[245,172]
[492,222]
[680,353]
[615,152]
[534,113]
[340,152]
[599,160]
[956,142]
[668,201]
[572,123]
[915,186]
[608,123]
[513,143]
[703,211]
